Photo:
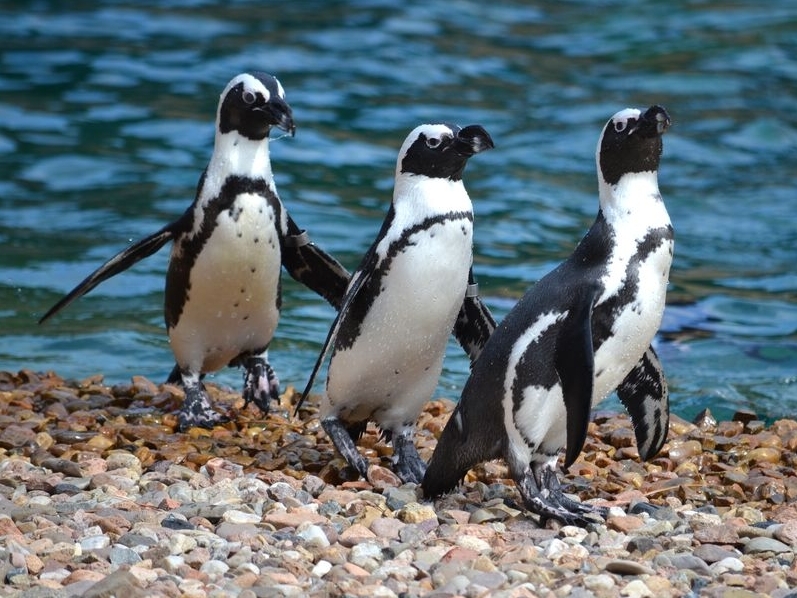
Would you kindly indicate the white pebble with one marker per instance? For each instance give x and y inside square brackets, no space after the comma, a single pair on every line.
[313,535]
[173,562]
[55,575]
[572,531]
[180,544]
[636,589]
[234,516]
[599,583]
[95,542]
[321,568]
[473,543]
[42,501]
[730,563]
[555,549]
[214,568]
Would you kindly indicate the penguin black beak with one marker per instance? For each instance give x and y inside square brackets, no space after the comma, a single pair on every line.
[654,122]
[279,114]
[473,139]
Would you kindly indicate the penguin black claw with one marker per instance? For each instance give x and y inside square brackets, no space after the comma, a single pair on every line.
[388,342]
[222,296]
[582,331]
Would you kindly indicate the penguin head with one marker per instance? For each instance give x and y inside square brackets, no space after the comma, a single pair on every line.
[441,150]
[251,104]
[631,142]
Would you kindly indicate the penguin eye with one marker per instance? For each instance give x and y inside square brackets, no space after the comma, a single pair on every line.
[248,97]
[434,142]
[620,125]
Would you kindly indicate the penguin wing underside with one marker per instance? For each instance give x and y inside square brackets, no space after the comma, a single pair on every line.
[313,267]
[118,263]
[474,323]
[645,396]
[357,283]
[575,364]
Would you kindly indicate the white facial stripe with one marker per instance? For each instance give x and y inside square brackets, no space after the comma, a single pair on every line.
[429,130]
[251,83]
[627,114]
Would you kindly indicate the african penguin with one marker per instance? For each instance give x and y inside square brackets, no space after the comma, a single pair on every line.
[222,297]
[412,288]
[581,332]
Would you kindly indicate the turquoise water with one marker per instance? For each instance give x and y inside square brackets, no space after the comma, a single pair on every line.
[106,121]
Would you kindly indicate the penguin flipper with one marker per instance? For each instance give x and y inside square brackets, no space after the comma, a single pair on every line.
[574,360]
[474,323]
[312,267]
[358,280]
[645,395]
[118,263]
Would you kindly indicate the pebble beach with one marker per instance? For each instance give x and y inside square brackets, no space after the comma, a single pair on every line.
[100,496]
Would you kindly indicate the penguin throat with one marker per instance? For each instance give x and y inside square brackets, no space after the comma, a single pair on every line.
[235,155]
[634,194]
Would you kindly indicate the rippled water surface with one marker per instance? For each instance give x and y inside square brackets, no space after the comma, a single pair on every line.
[106,122]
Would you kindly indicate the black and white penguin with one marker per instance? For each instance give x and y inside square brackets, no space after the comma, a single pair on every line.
[582,331]
[222,298]
[412,289]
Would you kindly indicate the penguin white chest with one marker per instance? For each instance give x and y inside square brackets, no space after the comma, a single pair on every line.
[393,366]
[231,305]
[636,322]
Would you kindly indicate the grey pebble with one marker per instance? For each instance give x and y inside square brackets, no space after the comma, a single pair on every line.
[626,567]
[691,562]
[122,555]
[642,544]
[763,544]
[711,553]
[396,498]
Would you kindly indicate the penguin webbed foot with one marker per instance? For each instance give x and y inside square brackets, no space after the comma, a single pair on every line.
[342,440]
[197,411]
[407,463]
[261,385]
[549,502]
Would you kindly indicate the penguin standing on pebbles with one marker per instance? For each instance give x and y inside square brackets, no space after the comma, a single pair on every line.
[222,299]
[581,332]
[412,288]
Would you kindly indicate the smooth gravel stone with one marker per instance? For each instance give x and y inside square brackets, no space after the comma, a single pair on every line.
[321,568]
[757,545]
[642,544]
[94,543]
[235,516]
[691,562]
[122,555]
[329,508]
[313,535]
[214,568]
[711,553]
[281,490]
[728,564]
[180,544]
[397,498]
[131,539]
[172,521]
[625,567]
